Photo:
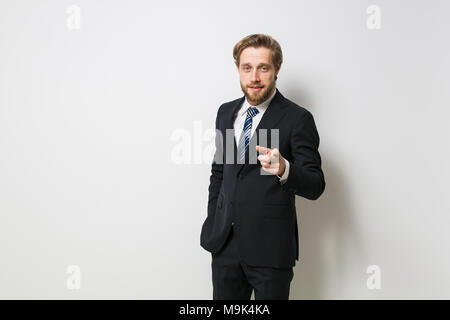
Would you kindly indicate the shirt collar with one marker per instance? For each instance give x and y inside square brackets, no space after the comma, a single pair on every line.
[261,107]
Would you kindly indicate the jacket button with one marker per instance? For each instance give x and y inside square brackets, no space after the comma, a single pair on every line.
[232,223]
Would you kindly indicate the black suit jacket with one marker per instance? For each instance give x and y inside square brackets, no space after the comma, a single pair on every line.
[262,209]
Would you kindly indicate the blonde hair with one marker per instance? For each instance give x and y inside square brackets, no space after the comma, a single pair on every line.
[256,41]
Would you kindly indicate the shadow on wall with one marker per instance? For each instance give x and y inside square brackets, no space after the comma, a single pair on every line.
[327,233]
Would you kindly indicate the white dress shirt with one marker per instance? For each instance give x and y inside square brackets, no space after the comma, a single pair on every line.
[240,120]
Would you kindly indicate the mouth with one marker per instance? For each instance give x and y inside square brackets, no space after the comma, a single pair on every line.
[256,89]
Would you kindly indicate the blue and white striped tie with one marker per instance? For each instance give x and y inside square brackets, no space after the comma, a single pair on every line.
[246,132]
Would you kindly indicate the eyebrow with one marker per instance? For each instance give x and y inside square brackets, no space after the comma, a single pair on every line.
[261,64]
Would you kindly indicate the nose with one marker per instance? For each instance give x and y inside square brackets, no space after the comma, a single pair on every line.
[255,76]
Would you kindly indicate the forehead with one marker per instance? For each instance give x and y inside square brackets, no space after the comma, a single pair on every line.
[255,56]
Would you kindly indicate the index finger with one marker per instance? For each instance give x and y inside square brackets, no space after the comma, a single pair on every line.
[263,149]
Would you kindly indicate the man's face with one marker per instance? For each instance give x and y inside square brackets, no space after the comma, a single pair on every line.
[257,74]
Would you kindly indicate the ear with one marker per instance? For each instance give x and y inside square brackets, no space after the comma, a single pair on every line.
[277,69]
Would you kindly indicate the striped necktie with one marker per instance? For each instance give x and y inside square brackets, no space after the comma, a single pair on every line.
[246,132]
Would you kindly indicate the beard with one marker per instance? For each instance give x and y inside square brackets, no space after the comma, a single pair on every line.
[256,98]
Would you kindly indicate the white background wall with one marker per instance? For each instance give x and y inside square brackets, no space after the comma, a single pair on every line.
[89,176]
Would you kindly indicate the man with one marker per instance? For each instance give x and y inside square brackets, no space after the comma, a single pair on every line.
[251,227]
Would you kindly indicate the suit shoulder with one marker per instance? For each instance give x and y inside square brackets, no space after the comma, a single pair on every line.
[226,105]
[297,111]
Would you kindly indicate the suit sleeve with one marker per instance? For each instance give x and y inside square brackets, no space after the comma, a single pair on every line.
[305,177]
[215,180]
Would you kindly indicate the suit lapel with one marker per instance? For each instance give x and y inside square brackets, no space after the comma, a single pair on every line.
[229,123]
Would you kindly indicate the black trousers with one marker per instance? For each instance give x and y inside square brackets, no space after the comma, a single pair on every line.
[234,280]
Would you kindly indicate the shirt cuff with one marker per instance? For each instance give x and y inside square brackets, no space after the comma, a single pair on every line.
[285,175]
